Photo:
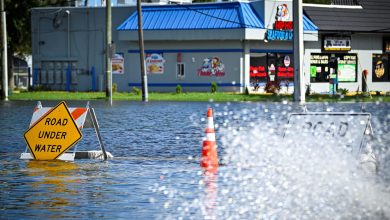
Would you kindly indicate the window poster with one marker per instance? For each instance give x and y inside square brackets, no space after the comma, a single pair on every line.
[319,67]
[118,63]
[285,68]
[347,68]
[380,69]
[155,63]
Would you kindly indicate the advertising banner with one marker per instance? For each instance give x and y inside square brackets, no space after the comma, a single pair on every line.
[155,63]
[118,63]
[380,71]
[212,67]
[346,68]
[337,43]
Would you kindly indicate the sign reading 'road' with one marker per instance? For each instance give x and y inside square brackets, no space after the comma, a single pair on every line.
[341,129]
[53,134]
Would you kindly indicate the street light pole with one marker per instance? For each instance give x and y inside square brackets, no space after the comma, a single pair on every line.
[4,53]
[108,51]
[144,78]
[299,78]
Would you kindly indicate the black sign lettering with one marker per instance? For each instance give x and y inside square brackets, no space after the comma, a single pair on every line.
[56,121]
[52,134]
[47,148]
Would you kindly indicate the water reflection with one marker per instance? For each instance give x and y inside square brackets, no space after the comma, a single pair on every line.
[262,178]
[53,184]
[210,180]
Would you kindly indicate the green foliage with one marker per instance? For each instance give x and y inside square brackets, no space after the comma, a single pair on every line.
[136,90]
[343,91]
[246,90]
[178,89]
[308,90]
[114,87]
[40,88]
[214,87]
[272,87]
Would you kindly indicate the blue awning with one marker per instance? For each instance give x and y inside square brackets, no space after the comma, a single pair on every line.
[229,15]
[308,25]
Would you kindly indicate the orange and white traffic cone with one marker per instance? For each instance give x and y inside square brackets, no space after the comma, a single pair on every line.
[209,159]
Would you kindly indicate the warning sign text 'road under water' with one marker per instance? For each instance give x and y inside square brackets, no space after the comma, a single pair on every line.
[53,134]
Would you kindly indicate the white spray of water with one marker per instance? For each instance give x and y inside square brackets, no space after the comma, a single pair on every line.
[269,177]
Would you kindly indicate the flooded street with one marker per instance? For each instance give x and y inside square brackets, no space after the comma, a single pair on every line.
[155,172]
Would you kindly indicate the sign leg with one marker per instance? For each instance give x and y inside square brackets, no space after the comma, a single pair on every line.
[96,127]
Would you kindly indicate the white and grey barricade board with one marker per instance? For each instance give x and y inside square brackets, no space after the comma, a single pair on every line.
[83,118]
[342,129]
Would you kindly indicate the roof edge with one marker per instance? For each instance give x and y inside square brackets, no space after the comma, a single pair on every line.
[333,6]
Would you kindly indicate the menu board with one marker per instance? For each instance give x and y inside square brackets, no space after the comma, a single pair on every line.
[380,69]
[319,67]
[347,68]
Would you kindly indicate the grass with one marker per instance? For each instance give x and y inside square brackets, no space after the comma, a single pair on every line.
[193,96]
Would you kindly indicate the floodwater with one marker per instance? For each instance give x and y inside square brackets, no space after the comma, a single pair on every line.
[155,171]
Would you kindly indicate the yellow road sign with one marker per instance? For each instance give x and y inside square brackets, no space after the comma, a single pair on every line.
[53,134]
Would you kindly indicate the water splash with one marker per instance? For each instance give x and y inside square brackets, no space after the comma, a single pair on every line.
[269,177]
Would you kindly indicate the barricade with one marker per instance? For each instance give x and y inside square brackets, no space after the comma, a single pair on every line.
[61,124]
[350,131]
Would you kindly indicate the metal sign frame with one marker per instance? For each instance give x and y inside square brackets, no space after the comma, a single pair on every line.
[90,122]
[364,135]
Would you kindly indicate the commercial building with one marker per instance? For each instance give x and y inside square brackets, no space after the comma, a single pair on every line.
[233,44]
[353,38]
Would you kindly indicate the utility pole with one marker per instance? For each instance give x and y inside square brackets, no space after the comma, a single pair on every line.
[144,78]
[4,53]
[299,79]
[108,51]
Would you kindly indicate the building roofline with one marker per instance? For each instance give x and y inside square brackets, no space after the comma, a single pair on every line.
[333,6]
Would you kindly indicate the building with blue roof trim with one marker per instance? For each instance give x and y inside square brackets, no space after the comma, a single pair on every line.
[195,17]
[234,44]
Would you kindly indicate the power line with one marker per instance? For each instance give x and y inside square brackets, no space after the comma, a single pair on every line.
[218,18]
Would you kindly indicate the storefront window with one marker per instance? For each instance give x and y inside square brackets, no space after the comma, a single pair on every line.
[380,68]
[347,68]
[258,68]
[319,68]
[274,67]
[324,67]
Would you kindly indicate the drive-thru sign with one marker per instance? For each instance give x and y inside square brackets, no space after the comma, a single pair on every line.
[53,134]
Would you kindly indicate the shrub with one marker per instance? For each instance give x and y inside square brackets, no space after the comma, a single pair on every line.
[40,88]
[214,87]
[272,87]
[247,91]
[114,87]
[308,89]
[342,91]
[136,90]
[178,89]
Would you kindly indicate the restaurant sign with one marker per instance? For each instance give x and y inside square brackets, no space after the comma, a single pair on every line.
[283,26]
[212,66]
[337,43]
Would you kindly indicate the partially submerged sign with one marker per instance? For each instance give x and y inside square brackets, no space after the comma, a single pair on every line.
[53,134]
[345,130]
